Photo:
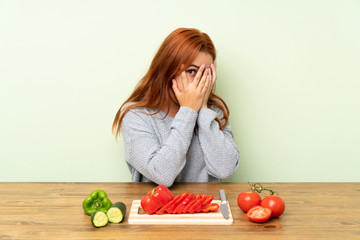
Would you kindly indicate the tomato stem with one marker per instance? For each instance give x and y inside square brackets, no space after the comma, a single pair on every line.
[257,187]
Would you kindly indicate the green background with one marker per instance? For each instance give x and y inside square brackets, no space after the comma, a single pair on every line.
[289,71]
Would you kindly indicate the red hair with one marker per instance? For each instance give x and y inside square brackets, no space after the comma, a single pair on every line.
[154,89]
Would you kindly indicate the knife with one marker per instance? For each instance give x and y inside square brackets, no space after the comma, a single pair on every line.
[223,206]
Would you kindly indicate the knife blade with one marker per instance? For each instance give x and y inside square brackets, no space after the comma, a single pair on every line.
[223,206]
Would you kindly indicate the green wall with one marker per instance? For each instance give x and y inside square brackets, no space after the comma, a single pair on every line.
[289,71]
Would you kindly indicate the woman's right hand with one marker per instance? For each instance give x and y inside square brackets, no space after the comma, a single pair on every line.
[192,94]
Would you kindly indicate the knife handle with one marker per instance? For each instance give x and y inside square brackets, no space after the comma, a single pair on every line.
[222,195]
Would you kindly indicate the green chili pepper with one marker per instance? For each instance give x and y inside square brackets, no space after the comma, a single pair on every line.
[97,200]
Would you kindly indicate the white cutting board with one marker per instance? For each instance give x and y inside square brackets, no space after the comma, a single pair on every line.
[210,218]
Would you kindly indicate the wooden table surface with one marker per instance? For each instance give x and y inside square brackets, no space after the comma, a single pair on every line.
[54,211]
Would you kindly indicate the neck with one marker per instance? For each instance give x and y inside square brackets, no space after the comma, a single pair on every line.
[174,108]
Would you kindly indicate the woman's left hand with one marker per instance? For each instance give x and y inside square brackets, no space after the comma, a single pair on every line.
[212,75]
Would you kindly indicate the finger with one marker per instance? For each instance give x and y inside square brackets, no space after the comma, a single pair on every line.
[202,81]
[206,73]
[210,85]
[212,80]
[213,68]
[182,67]
[206,87]
[184,80]
[210,75]
[198,75]
[175,88]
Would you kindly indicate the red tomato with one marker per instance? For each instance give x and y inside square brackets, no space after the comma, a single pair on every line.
[248,200]
[275,203]
[259,214]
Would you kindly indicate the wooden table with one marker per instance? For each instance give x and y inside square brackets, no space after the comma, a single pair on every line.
[54,211]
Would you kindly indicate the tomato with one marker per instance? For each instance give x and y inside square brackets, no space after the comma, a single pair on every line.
[275,203]
[248,200]
[259,214]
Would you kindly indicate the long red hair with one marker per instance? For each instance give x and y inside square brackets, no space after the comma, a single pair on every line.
[154,89]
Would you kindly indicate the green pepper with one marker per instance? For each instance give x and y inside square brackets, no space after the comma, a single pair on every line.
[97,200]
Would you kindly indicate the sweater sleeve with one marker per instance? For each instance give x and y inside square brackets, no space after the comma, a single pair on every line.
[220,151]
[160,162]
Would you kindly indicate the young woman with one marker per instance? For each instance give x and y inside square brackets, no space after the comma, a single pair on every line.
[175,129]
